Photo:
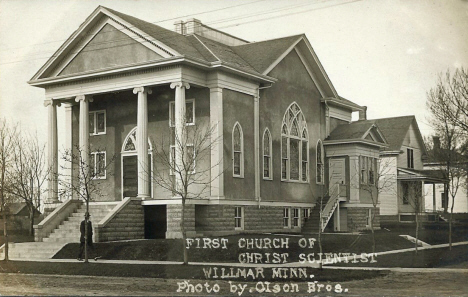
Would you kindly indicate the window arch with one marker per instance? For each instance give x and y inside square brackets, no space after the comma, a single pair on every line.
[267,153]
[294,145]
[320,162]
[130,143]
[237,151]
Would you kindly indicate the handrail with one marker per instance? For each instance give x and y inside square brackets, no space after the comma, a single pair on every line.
[331,205]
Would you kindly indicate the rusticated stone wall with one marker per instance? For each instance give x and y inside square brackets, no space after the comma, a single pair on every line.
[129,223]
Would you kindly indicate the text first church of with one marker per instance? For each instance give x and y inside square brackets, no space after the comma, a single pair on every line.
[284,134]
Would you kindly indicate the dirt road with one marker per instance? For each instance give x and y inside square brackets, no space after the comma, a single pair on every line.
[395,284]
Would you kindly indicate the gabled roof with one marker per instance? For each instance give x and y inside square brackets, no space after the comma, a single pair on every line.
[261,55]
[357,130]
[431,176]
[395,130]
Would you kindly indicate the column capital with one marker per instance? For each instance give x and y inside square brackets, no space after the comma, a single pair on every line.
[48,102]
[146,90]
[85,98]
[180,84]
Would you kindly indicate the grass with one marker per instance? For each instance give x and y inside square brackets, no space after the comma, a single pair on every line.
[164,271]
[170,249]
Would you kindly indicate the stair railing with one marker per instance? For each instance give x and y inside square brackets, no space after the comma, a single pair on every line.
[331,205]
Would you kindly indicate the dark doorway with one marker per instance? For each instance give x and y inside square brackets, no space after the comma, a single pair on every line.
[130,176]
[155,221]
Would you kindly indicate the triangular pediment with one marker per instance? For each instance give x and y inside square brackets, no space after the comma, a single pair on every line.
[104,41]
[108,48]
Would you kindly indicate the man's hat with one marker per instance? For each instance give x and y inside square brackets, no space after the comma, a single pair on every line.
[87,215]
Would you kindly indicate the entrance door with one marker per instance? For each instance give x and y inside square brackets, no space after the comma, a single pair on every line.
[155,221]
[130,176]
[337,175]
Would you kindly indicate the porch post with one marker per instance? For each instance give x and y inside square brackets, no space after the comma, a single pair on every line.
[354,179]
[52,152]
[434,201]
[142,141]
[84,133]
[69,145]
[179,122]
[216,122]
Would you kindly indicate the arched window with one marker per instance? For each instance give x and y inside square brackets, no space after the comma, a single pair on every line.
[267,152]
[237,151]
[320,162]
[294,146]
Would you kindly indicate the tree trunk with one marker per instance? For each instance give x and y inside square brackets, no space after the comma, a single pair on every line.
[86,232]
[450,224]
[417,230]
[5,233]
[184,235]
[372,230]
[32,212]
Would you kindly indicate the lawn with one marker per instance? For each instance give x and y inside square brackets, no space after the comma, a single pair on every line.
[170,249]
[164,271]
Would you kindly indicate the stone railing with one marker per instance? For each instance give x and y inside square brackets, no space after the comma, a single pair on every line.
[125,221]
[53,220]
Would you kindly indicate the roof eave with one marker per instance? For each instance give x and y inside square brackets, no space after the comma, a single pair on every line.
[337,102]
[355,141]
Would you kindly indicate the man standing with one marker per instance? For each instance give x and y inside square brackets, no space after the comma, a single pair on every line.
[86,227]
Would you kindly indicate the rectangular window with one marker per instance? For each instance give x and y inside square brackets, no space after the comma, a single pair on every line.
[409,158]
[286,217]
[296,218]
[191,157]
[97,164]
[189,112]
[294,158]
[97,122]
[239,218]
[405,193]
[444,200]
[363,161]
[306,213]
[371,164]
[369,217]
[284,157]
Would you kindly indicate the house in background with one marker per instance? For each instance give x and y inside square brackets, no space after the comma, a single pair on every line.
[18,217]
[438,198]
[401,169]
[285,136]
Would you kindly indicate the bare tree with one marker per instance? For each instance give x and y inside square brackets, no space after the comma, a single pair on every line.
[413,194]
[29,174]
[448,103]
[188,176]
[7,146]
[380,180]
[87,184]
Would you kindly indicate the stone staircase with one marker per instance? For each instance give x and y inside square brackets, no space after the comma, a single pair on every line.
[68,231]
[311,226]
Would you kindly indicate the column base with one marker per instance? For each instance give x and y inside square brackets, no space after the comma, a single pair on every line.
[143,197]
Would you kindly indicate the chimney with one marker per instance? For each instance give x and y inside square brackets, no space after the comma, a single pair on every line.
[179,27]
[363,114]
[436,140]
[193,26]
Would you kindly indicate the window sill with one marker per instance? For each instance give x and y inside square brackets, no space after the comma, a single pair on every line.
[238,176]
[295,181]
[268,178]
[99,178]
[97,134]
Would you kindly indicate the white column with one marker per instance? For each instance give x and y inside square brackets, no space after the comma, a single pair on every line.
[84,133]
[52,151]
[217,140]
[179,121]
[354,179]
[142,142]
[69,145]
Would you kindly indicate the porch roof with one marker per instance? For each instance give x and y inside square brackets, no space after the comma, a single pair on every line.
[428,176]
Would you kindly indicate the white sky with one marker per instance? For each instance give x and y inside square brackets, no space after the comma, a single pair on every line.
[385,54]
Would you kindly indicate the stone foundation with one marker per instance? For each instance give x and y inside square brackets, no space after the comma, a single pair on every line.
[174,217]
[358,218]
